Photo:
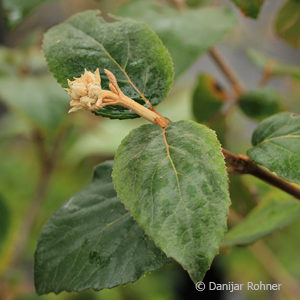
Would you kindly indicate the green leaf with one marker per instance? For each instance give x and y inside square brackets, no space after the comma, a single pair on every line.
[288,23]
[249,8]
[277,68]
[187,34]
[267,217]
[208,98]
[18,10]
[260,103]
[39,98]
[177,193]
[93,242]
[276,144]
[86,40]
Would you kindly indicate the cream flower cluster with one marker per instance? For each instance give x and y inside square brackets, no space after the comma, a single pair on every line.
[86,94]
[85,91]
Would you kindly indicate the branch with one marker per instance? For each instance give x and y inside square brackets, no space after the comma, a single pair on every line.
[237,85]
[244,165]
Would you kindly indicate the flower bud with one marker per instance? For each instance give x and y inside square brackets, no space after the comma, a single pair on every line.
[94,91]
[78,89]
[87,101]
[85,91]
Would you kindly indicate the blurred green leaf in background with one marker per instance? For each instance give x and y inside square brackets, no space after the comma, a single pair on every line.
[18,10]
[187,34]
[273,65]
[250,8]
[288,23]
[270,215]
[260,103]
[208,98]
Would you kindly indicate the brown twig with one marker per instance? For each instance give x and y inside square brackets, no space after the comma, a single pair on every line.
[244,165]
[230,74]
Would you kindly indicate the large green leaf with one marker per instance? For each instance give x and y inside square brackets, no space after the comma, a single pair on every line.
[187,34]
[123,46]
[39,98]
[93,242]
[276,144]
[175,185]
[288,23]
[250,8]
[17,10]
[267,217]
[276,67]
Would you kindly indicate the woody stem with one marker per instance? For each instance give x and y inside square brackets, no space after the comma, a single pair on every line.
[244,165]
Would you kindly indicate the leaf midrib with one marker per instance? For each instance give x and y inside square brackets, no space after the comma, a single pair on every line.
[286,149]
[275,132]
[178,184]
[78,252]
[103,49]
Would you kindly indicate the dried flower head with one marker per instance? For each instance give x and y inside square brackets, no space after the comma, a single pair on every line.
[85,91]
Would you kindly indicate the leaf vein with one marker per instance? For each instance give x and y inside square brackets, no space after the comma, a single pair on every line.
[288,136]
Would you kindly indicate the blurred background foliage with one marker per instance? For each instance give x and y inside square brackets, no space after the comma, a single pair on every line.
[47,155]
